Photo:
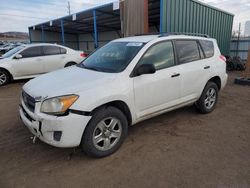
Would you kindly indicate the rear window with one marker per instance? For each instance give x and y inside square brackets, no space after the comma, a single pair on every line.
[63,50]
[208,48]
[187,51]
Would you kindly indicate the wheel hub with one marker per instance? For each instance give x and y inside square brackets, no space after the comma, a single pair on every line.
[107,133]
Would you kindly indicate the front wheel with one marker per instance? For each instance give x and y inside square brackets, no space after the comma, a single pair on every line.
[105,132]
[208,99]
[4,77]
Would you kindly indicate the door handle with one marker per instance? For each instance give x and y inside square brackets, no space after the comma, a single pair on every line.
[175,75]
[39,59]
[207,67]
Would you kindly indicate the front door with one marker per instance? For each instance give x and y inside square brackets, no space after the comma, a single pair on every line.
[161,90]
[31,62]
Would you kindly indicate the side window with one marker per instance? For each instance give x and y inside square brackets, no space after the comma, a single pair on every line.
[161,55]
[51,50]
[187,51]
[32,52]
[63,50]
[208,48]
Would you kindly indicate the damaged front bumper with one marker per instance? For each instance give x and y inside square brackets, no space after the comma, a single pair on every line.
[59,131]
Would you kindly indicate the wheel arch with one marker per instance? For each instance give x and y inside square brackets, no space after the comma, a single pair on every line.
[216,80]
[121,105]
[11,76]
[73,62]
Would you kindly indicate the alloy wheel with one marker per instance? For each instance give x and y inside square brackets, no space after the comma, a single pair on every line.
[3,78]
[107,133]
[210,98]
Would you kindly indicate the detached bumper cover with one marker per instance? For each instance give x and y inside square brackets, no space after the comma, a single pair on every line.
[46,127]
[224,81]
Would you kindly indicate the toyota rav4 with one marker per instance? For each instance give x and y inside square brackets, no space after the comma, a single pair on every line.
[126,81]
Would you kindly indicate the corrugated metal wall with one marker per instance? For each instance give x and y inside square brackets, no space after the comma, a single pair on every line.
[196,17]
[244,45]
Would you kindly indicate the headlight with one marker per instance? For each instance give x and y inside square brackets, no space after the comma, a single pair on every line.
[58,105]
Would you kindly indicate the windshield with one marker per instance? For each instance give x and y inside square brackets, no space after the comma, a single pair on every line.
[113,57]
[13,51]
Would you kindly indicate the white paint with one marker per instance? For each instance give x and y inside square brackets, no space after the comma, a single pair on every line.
[145,95]
[74,17]
[116,5]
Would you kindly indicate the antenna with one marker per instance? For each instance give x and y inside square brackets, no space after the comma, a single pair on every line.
[239,32]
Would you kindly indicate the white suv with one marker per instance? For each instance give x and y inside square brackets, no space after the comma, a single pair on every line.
[126,81]
[31,60]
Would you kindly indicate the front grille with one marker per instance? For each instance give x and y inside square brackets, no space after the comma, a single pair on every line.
[29,101]
[26,114]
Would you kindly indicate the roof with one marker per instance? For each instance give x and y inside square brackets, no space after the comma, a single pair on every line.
[82,22]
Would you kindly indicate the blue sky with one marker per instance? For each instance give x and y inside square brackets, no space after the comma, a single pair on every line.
[17,15]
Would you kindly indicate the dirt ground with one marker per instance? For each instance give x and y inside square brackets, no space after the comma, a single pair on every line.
[178,149]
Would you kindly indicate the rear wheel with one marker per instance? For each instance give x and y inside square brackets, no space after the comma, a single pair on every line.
[208,99]
[4,77]
[105,132]
[70,64]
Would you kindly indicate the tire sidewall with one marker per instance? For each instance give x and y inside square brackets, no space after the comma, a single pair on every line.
[7,77]
[201,102]
[87,140]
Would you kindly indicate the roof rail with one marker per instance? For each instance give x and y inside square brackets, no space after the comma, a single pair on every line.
[174,33]
[183,33]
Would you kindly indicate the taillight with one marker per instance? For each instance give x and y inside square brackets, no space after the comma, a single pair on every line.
[223,58]
[84,55]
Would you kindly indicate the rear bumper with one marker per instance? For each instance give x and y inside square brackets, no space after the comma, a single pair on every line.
[224,81]
[65,131]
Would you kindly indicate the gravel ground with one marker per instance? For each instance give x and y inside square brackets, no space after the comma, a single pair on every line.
[178,149]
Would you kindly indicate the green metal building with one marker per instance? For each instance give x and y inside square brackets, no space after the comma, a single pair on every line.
[196,17]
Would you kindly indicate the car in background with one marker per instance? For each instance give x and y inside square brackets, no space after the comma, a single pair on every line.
[7,47]
[28,61]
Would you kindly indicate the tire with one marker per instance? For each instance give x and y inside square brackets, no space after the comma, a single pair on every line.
[208,99]
[102,137]
[242,81]
[70,64]
[4,77]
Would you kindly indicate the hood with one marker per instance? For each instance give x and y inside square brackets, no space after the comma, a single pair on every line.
[72,80]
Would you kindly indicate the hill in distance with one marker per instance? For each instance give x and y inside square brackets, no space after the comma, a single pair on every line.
[14,35]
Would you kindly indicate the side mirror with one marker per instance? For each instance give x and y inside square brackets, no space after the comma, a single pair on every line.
[18,56]
[145,69]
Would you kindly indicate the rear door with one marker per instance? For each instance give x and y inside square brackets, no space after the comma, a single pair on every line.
[193,68]
[158,91]
[31,62]
[54,58]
